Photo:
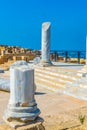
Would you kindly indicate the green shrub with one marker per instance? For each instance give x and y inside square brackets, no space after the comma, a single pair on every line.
[82,119]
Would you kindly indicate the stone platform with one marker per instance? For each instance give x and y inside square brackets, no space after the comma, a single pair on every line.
[64,78]
[61,77]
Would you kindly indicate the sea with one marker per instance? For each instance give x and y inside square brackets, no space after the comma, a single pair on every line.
[71,54]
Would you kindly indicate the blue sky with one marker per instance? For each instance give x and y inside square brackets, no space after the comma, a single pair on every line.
[21,21]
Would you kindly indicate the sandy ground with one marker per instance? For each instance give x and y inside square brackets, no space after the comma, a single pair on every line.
[57,110]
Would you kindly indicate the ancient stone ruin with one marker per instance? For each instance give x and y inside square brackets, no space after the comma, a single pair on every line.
[45,59]
[22,107]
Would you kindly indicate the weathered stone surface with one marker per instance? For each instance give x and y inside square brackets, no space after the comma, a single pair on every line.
[45,61]
[4,84]
[36,126]
[22,105]
[19,63]
[36,60]
[32,125]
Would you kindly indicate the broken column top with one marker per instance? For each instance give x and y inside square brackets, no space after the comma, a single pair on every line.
[46,25]
[21,65]
[18,63]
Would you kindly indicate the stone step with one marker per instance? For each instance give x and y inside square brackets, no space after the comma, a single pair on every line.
[77,89]
[59,74]
[53,78]
[76,92]
[58,69]
[51,88]
[83,72]
[78,85]
[49,84]
[63,81]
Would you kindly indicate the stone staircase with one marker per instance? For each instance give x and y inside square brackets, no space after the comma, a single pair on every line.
[83,71]
[55,78]
[65,80]
[77,89]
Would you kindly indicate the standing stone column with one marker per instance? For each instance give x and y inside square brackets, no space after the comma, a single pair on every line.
[86,50]
[22,106]
[83,71]
[45,61]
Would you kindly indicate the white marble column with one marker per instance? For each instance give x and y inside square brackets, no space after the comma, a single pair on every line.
[45,59]
[83,71]
[22,105]
[86,50]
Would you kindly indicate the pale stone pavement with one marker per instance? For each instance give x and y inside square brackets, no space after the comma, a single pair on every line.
[56,108]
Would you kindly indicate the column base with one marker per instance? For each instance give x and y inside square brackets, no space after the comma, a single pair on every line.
[34,125]
[45,64]
[21,115]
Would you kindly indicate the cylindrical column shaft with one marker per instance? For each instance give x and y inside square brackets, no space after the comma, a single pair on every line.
[46,43]
[86,50]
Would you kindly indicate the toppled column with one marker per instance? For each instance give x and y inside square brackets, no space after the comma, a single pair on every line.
[22,106]
[45,61]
